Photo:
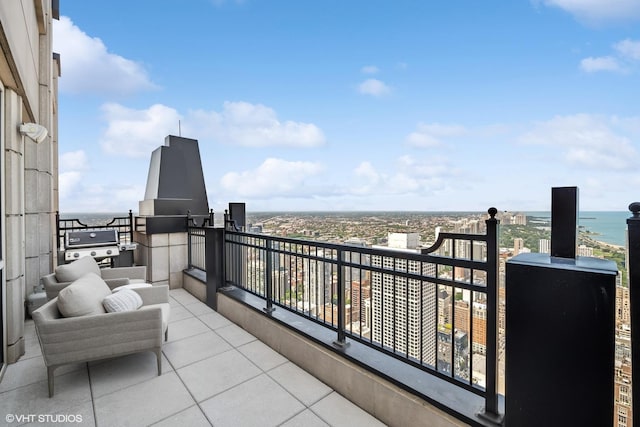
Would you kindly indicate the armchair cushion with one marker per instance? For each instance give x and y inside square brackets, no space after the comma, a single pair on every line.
[83,297]
[77,269]
[124,300]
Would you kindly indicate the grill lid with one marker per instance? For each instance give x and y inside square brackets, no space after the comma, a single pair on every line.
[91,238]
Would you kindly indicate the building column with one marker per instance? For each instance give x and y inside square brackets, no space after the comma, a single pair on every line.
[14,193]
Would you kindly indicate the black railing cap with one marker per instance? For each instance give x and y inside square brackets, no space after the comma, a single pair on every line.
[492,212]
[635,209]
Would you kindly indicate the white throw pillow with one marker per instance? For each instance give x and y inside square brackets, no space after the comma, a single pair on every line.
[124,300]
[77,269]
[83,297]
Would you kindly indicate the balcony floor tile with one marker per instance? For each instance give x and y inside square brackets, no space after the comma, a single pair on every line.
[338,411]
[215,320]
[305,419]
[216,374]
[143,404]
[193,349]
[235,335]
[260,401]
[179,313]
[186,328]
[199,308]
[304,386]
[119,373]
[71,390]
[263,356]
[190,417]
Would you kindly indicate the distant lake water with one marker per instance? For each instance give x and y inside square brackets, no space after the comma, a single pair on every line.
[609,227]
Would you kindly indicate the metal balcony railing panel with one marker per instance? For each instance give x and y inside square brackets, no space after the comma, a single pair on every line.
[435,309]
[123,225]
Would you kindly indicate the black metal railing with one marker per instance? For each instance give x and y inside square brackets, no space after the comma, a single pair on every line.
[633,256]
[123,225]
[435,309]
[196,253]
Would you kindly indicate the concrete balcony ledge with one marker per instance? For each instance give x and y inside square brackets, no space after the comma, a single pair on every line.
[376,382]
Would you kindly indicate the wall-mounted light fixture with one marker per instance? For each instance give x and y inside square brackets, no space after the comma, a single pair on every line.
[34,131]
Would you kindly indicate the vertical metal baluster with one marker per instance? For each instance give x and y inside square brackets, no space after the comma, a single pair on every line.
[342,341]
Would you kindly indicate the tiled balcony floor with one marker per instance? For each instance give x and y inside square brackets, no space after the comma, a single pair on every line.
[214,373]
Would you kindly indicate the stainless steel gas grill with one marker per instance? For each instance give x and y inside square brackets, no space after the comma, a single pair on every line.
[99,244]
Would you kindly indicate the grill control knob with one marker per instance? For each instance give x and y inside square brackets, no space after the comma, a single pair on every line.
[108,251]
[76,255]
[93,253]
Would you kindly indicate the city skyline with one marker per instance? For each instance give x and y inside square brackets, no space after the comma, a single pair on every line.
[353,106]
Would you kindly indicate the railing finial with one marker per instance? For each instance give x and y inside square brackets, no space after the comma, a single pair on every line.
[492,212]
[635,209]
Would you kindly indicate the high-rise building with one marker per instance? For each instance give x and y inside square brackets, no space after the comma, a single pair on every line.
[584,250]
[520,219]
[544,246]
[404,316]
[623,305]
[518,245]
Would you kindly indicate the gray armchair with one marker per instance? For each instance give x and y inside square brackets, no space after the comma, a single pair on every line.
[98,336]
[67,273]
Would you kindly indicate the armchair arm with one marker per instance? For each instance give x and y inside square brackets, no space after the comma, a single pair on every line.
[138,272]
[158,294]
[52,287]
[114,283]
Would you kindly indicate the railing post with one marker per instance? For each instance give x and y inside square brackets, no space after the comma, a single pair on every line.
[58,229]
[493,250]
[269,279]
[189,254]
[633,247]
[560,333]
[214,263]
[130,226]
[342,340]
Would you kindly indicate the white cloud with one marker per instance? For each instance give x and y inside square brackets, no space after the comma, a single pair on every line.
[102,198]
[603,63]
[374,87]
[73,161]
[411,176]
[68,183]
[431,135]
[367,171]
[597,12]
[627,55]
[273,178]
[369,69]
[252,125]
[88,67]
[589,141]
[136,133]
[73,166]
[628,49]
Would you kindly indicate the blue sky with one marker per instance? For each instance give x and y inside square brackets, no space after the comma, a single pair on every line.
[354,105]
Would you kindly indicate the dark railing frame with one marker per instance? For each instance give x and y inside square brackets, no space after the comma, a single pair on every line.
[633,245]
[199,232]
[233,236]
[123,224]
